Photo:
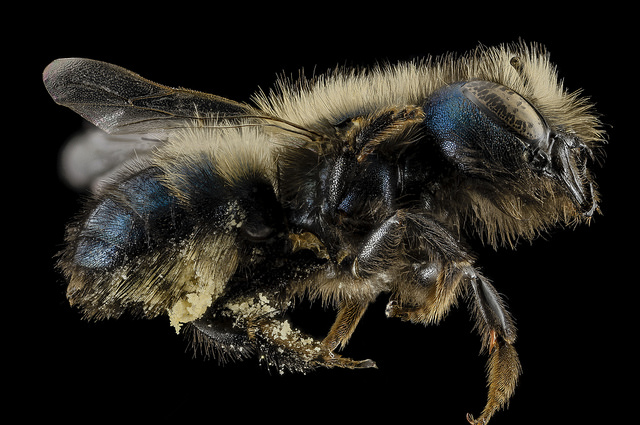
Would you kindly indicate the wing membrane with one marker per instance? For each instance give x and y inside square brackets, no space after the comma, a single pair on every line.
[122,102]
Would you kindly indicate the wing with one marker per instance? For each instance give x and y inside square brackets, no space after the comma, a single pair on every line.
[135,112]
[92,156]
[121,102]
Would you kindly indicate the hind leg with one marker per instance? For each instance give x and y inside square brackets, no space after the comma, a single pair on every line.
[253,324]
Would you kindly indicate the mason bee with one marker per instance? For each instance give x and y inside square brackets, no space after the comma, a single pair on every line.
[221,215]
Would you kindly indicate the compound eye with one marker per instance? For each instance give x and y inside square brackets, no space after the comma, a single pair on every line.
[507,108]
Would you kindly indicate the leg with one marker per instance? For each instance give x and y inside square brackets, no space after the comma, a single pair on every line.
[429,292]
[433,297]
[503,372]
[283,346]
[498,333]
[252,324]
[384,253]
[376,254]
[492,319]
[434,286]
[349,315]
[428,288]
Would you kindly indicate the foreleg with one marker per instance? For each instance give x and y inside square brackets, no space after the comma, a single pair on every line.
[498,332]
[437,292]
[432,281]
[433,285]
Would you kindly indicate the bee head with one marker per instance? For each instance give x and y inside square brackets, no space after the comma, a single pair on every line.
[487,129]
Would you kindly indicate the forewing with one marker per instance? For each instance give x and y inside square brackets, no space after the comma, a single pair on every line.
[122,102]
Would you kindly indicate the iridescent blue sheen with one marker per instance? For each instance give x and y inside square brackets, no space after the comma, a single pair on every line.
[121,223]
[462,130]
[146,195]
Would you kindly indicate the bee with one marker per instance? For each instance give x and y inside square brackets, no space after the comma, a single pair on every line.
[220,215]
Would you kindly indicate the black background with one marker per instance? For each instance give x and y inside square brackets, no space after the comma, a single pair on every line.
[568,292]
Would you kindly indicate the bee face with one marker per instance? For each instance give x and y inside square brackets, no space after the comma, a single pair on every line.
[485,127]
[552,154]
[344,188]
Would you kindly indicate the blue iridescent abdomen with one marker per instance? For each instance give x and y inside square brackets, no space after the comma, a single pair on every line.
[137,213]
